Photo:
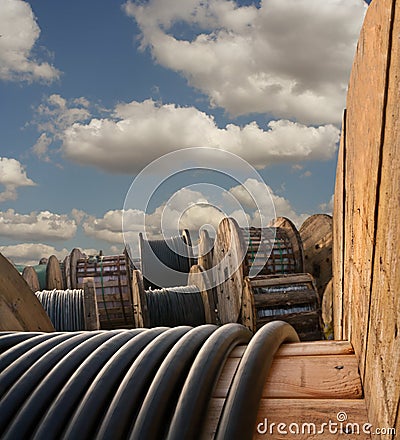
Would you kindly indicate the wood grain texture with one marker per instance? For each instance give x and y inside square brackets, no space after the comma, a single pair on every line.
[316,236]
[198,277]
[54,278]
[19,307]
[206,250]
[140,310]
[91,311]
[30,276]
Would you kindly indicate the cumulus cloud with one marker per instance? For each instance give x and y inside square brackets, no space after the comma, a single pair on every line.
[12,176]
[36,226]
[140,132]
[289,58]
[327,208]
[19,34]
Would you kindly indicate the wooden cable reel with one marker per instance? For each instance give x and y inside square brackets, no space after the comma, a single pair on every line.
[20,310]
[197,278]
[292,298]
[316,236]
[113,289]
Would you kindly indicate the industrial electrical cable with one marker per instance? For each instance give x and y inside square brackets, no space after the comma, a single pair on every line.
[175,306]
[85,360]
[163,394]
[65,308]
[200,382]
[239,414]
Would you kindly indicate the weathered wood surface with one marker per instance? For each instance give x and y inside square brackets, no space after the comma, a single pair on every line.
[30,276]
[20,310]
[230,267]
[206,250]
[140,310]
[198,277]
[75,255]
[327,310]
[369,223]
[294,236]
[54,278]
[316,236]
[91,311]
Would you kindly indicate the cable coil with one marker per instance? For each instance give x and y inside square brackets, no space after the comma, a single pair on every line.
[65,308]
[133,384]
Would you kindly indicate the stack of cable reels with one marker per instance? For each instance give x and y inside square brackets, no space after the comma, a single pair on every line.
[292,298]
[192,304]
[112,282]
[166,262]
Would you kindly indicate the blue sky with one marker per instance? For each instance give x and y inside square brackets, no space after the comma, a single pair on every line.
[93,91]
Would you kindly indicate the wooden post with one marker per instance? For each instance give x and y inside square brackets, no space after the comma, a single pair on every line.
[91,311]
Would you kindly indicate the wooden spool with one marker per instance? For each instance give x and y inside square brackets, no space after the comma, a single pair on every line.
[30,276]
[111,276]
[230,267]
[197,277]
[54,277]
[295,239]
[75,255]
[206,250]
[316,236]
[20,310]
[292,298]
[66,270]
[269,251]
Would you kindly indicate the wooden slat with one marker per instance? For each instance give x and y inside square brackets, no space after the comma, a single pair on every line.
[314,348]
[261,281]
[90,305]
[284,299]
[313,377]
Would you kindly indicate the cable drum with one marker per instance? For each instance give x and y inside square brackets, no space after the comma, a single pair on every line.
[136,384]
[65,308]
[166,263]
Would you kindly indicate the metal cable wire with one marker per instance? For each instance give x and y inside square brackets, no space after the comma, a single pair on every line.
[65,308]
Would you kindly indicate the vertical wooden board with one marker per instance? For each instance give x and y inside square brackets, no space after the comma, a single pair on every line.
[382,372]
[229,268]
[198,277]
[91,311]
[140,310]
[75,255]
[206,246]
[327,311]
[365,107]
[19,307]
[338,236]
[316,237]
[248,312]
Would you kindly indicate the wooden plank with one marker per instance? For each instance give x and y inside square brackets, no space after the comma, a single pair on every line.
[316,236]
[206,249]
[314,348]
[230,268]
[140,310]
[367,89]
[338,237]
[284,299]
[91,311]
[281,279]
[75,255]
[20,309]
[327,310]
[312,411]
[312,377]
[248,313]
[382,369]
[198,277]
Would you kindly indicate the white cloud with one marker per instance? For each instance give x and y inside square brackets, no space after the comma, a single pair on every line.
[12,176]
[289,58]
[41,147]
[36,226]
[140,132]
[327,208]
[19,34]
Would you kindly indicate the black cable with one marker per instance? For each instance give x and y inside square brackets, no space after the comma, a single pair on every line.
[24,385]
[81,403]
[192,404]
[84,361]
[9,339]
[175,306]
[122,412]
[164,391]
[239,415]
